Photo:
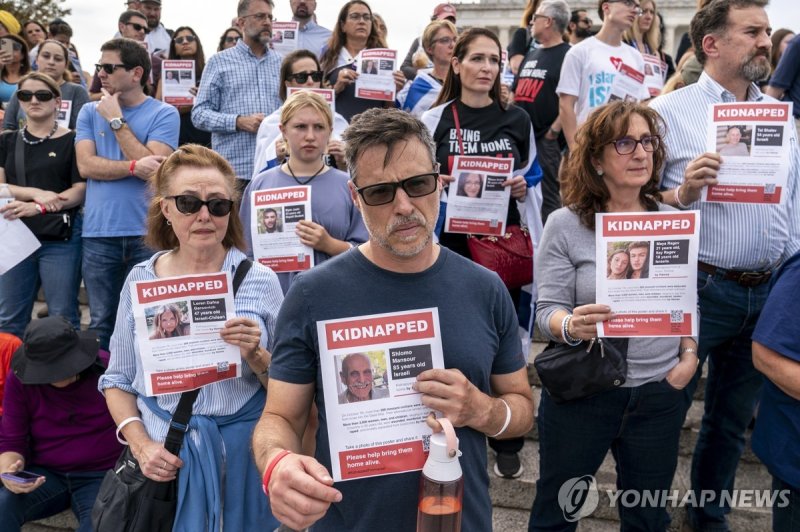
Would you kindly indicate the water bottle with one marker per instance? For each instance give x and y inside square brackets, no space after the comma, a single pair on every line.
[441,484]
[5,194]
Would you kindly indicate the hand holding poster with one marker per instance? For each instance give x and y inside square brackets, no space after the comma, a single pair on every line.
[480,202]
[369,363]
[276,212]
[177,81]
[647,272]
[375,67]
[755,142]
[284,36]
[178,321]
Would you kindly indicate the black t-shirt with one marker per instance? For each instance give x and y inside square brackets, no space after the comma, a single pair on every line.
[521,42]
[488,131]
[535,86]
[50,165]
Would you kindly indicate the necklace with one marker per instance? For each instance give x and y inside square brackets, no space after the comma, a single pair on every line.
[35,142]
[307,181]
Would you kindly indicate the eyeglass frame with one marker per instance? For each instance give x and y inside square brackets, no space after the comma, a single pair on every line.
[651,138]
[185,38]
[355,17]
[395,185]
[293,77]
[37,94]
[260,17]
[114,66]
[630,4]
[138,27]
[535,16]
[206,203]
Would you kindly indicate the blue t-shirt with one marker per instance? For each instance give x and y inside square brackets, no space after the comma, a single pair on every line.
[7,90]
[119,207]
[776,440]
[479,337]
[787,75]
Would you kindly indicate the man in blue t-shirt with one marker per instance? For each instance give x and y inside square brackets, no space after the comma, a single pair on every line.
[484,389]
[785,81]
[120,143]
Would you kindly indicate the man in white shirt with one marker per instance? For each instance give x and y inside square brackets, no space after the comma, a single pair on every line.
[159,37]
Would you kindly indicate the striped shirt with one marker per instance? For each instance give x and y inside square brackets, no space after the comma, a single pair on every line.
[236,83]
[259,297]
[735,236]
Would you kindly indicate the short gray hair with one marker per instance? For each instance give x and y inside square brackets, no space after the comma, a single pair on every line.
[244,6]
[558,10]
[383,127]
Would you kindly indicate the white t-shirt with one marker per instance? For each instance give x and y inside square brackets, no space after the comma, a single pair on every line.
[592,70]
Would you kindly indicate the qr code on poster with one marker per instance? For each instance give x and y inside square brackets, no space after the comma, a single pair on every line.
[676,316]
[426,443]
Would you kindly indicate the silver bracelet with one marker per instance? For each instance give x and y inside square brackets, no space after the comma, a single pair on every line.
[508,419]
[678,198]
[568,339]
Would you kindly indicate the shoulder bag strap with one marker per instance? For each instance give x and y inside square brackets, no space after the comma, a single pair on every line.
[19,160]
[458,128]
[183,413]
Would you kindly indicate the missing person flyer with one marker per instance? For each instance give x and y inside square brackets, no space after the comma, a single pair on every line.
[178,320]
[647,272]
[275,214]
[376,421]
[284,36]
[328,94]
[477,202]
[755,141]
[655,74]
[375,67]
[177,81]
[628,84]
[64,113]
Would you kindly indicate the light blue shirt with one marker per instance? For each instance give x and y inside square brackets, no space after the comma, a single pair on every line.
[313,37]
[738,236]
[236,83]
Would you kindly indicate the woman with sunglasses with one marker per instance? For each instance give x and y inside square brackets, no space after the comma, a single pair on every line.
[52,60]
[354,32]
[193,218]
[51,184]
[437,44]
[13,66]
[298,69]
[306,124]
[185,44]
[229,39]
[614,167]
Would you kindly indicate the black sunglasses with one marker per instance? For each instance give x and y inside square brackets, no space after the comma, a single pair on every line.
[42,96]
[109,68]
[232,39]
[185,38]
[138,27]
[414,186]
[188,204]
[302,77]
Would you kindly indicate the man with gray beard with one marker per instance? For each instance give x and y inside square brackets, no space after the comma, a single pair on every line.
[741,244]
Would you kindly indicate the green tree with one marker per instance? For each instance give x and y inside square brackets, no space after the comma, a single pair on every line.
[40,10]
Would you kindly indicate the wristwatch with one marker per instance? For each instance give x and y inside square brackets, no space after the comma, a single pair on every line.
[117,123]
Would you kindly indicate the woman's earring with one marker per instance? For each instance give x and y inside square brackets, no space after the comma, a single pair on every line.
[169,223]
[599,171]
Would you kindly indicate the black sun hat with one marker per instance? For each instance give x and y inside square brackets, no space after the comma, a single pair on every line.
[53,351]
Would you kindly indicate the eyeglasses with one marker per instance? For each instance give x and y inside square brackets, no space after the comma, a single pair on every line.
[108,68]
[355,17]
[627,145]
[185,39]
[630,4]
[414,186]
[302,77]
[447,41]
[260,17]
[138,27]
[42,96]
[232,39]
[533,19]
[188,204]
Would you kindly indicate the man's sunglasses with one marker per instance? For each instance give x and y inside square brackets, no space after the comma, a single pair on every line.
[108,68]
[185,39]
[42,96]
[188,204]
[414,187]
[138,27]
[302,77]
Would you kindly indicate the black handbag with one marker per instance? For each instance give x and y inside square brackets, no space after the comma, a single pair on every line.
[51,226]
[130,502]
[570,372]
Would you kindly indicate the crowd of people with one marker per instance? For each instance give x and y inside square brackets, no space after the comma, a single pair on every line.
[120,186]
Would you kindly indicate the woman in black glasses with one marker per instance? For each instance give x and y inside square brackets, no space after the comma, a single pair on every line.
[299,69]
[193,218]
[229,39]
[186,45]
[306,125]
[614,167]
[38,164]
[354,32]
[52,59]
[14,64]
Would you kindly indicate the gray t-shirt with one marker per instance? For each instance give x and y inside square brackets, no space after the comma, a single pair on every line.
[565,278]
[15,116]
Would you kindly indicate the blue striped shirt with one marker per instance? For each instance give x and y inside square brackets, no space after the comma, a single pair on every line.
[735,236]
[236,83]
[259,298]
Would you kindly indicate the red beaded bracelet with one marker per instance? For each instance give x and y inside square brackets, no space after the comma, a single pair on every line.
[268,473]
[132,167]
[42,208]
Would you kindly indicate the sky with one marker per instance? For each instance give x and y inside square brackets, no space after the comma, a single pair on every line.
[94,21]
